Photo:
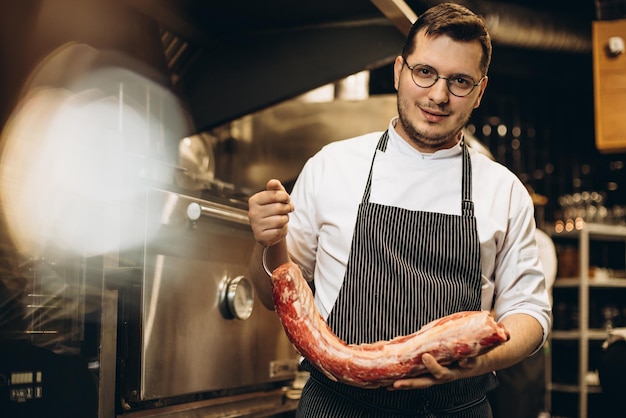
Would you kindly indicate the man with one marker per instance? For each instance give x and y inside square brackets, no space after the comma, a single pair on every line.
[400,228]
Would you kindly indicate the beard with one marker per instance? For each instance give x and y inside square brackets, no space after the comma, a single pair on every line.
[429,139]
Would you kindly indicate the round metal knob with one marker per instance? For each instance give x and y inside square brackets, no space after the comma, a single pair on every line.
[238,298]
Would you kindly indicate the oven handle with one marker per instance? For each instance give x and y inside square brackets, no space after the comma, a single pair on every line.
[215,210]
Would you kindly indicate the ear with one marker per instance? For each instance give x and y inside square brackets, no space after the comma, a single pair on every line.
[482,87]
[397,68]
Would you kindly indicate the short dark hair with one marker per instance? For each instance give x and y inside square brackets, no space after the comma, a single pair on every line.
[455,21]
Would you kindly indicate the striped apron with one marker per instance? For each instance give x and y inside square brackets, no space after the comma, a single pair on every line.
[405,269]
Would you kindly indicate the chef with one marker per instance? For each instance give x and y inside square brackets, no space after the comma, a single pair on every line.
[397,228]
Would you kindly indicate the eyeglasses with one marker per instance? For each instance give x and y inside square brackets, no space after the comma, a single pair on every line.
[426,76]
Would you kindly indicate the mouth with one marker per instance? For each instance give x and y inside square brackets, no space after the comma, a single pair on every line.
[432,115]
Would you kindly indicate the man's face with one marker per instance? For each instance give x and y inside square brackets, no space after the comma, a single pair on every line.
[431,118]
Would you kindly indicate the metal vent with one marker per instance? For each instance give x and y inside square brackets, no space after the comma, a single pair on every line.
[178,53]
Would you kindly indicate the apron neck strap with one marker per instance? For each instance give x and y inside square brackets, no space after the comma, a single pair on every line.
[467,206]
[382,146]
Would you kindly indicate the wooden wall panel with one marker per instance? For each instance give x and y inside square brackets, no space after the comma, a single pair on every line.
[609,78]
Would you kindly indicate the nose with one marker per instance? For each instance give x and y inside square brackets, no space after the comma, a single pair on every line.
[439,92]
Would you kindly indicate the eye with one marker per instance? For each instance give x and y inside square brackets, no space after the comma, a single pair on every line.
[462,81]
[423,71]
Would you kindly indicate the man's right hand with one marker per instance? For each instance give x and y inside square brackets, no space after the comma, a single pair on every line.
[268,211]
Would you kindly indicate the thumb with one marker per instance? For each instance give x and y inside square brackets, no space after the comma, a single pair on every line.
[274,184]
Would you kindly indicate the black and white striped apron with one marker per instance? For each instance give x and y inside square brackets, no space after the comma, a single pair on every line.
[405,269]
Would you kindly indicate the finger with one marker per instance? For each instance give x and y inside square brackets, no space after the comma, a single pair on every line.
[263,209]
[420,382]
[269,228]
[437,370]
[275,222]
[274,217]
[435,374]
[274,184]
[280,193]
[271,201]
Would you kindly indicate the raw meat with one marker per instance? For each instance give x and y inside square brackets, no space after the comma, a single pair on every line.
[448,339]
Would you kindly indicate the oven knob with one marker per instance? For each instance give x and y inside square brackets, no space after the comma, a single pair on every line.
[239,298]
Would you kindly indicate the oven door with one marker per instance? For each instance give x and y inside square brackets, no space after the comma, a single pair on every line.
[202,328]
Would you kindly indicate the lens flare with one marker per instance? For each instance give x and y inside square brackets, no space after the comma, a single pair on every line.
[78,150]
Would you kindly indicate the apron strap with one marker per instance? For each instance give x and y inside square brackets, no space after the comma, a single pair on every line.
[382,146]
[467,206]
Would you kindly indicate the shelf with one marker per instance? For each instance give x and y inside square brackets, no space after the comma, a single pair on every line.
[563,335]
[592,334]
[594,389]
[565,282]
[597,334]
[562,387]
[598,231]
[610,282]
[562,282]
[576,363]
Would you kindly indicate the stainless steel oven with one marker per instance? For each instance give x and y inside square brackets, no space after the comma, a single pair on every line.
[167,324]
[190,326]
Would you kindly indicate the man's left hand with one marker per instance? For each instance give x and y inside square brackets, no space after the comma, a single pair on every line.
[437,373]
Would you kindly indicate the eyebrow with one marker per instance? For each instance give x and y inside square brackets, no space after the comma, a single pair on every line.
[447,76]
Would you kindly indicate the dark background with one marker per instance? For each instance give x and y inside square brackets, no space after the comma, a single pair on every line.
[228,59]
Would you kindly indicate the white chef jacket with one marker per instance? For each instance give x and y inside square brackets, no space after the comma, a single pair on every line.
[330,187]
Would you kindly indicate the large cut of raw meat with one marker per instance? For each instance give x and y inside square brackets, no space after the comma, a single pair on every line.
[449,339]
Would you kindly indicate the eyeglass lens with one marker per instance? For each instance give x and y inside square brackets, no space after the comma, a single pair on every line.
[426,76]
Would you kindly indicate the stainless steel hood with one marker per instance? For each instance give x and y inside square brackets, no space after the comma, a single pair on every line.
[231,59]
[228,59]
